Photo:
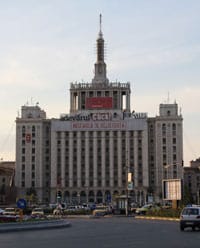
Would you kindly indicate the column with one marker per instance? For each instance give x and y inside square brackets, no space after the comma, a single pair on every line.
[53,166]
[111,159]
[128,101]
[135,175]
[87,159]
[103,168]
[71,159]
[62,159]
[79,100]
[119,149]
[145,167]
[95,158]
[79,159]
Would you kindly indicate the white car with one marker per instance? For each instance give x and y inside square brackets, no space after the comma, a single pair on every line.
[1,211]
[190,217]
[37,212]
[10,211]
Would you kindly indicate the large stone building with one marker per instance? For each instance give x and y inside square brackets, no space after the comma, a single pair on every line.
[86,155]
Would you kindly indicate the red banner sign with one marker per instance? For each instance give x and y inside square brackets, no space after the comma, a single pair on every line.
[99,103]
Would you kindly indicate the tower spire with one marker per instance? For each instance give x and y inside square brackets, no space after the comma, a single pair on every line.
[100,27]
[100,22]
[100,66]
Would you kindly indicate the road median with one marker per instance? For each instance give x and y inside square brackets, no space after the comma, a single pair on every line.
[33,225]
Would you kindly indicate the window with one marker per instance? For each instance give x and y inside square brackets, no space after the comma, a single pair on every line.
[23,175]
[164,129]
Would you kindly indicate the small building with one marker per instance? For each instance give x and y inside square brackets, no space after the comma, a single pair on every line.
[7,191]
[192,180]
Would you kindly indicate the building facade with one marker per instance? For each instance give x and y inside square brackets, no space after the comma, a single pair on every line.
[192,181]
[7,189]
[86,155]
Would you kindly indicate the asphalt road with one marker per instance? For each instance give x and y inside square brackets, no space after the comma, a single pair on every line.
[116,232]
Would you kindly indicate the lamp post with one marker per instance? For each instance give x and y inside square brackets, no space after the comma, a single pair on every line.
[172,184]
[126,190]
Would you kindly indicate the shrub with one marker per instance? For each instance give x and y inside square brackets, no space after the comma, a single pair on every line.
[172,213]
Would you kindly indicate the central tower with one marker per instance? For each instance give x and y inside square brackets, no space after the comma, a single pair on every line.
[100,65]
[100,94]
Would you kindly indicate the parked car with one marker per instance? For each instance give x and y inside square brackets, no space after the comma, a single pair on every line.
[37,212]
[190,217]
[1,211]
[11,211]
[133,207]
[144,209]
[101,211]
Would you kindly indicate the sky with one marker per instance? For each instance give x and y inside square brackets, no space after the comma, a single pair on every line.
[47,44]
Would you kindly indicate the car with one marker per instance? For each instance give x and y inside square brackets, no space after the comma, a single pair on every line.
[11,211]
[37,212]
[133,207]
[1,211]
[190,217]
[144,209]
[101,211]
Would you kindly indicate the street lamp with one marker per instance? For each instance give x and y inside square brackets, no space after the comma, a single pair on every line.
[172,186]
[166,168]
[129,186]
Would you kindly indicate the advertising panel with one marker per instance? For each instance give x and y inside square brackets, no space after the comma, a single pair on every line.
[99,103]
[172,189]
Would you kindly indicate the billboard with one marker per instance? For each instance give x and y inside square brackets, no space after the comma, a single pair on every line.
[99,103]
[172,189]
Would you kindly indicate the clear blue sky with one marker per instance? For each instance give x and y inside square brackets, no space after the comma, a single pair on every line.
[46,44]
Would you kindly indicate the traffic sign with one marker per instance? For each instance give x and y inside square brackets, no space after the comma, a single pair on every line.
[21,203]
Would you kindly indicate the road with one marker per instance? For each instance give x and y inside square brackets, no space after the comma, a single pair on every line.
[116,232]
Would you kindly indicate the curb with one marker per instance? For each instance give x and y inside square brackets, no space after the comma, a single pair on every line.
[38,225]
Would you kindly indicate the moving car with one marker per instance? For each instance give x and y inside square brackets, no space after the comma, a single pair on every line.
[190,217]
